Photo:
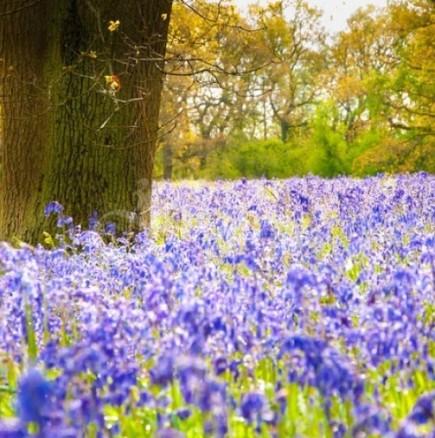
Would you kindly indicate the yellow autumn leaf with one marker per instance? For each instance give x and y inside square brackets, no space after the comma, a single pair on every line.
[113,25]
[92,54]
[164,17]
[113,82]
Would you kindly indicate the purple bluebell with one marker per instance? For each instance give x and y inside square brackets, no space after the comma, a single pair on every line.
[423,411]
[254,408]
[34,403]
[164,370]
[169,433]
[52,207]
[12,428]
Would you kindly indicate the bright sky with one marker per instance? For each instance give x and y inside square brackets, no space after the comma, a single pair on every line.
[336,12]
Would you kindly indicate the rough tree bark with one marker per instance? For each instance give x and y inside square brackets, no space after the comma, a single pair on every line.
[68,133]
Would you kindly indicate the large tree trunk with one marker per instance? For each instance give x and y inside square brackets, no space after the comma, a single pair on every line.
[69,133]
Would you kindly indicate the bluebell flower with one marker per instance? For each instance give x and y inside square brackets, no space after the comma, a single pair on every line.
[169,433]
[423,411]
[11,428]
[64,221]
[183,413]
[34,398]
[297,278]
[338,429]
[110,228]
[93,221]
[408,430]
[52,207]
[266,230]
[220,429]
[251,405]
[177,216]
[370,419]
[145,399]
[220,365]
[235,368]
[163,372]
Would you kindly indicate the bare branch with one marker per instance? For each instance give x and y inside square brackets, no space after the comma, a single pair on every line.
[215,19]
[19,9]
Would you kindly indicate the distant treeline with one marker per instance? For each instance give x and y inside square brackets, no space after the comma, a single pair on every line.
[271,94]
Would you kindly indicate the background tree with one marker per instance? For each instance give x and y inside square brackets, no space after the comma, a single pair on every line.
[80,87]
[351,120]
[295,41]
[254,76]
[211,63]
[408,94]
[377,110]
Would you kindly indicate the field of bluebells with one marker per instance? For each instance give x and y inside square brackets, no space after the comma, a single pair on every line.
[295,308]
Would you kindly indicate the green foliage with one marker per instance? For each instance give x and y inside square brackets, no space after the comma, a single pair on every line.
[366,142]
[255,159]
[324,152]
[327,145]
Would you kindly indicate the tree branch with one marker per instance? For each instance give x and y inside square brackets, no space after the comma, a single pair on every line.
[19,9]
